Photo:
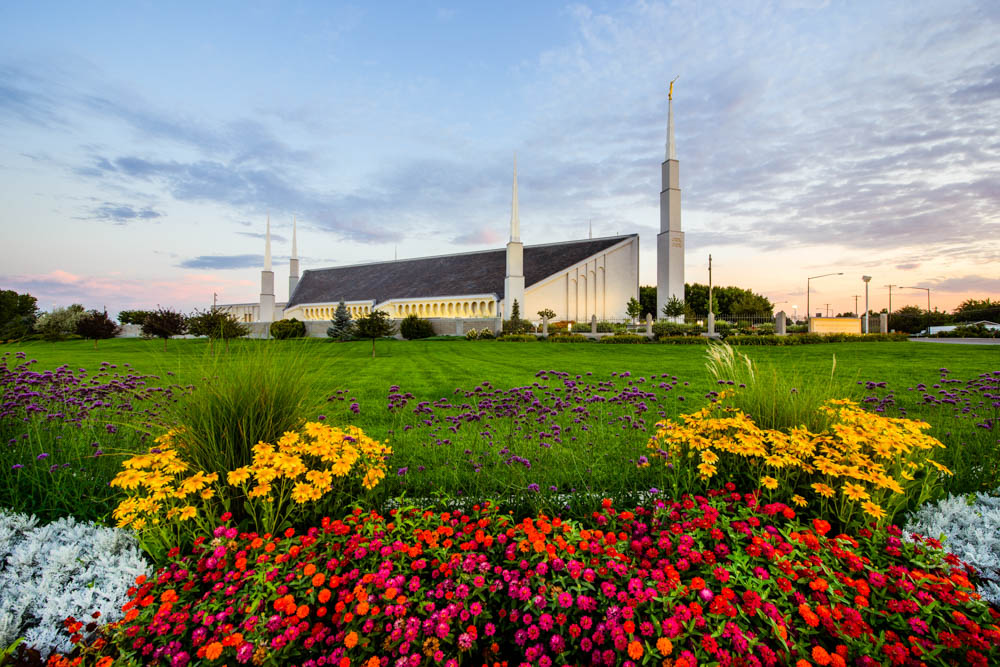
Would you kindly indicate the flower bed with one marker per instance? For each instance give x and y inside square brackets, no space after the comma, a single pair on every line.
[718,579]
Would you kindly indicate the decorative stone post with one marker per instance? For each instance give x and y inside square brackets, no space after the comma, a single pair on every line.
[593,324]
[711,324]
[649,324]
[883,323]
[779,323]
[545,326]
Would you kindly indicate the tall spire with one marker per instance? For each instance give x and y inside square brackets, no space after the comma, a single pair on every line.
[267,245]
[671,149]
[295,247]
[515,222]
[293,263]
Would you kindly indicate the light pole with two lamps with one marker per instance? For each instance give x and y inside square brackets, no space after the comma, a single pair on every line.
[808,280]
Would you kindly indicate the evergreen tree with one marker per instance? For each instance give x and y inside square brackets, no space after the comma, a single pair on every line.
[341,327]
[674,307]
[515,324]
[647,300]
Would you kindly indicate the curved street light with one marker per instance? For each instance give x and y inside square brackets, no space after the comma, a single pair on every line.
[928,290]
[811,278]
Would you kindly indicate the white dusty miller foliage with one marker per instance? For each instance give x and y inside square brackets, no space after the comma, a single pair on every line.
[61,569]
[969,526]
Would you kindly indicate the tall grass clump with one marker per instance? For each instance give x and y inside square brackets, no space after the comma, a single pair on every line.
[249,395]
[773,398]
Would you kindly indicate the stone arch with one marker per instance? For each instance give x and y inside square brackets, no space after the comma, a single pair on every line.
[451,309]
[492,305]
[474,308]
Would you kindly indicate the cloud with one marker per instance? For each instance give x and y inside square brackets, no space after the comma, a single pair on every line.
[223,262]
[964,284]
[277,238]
[479,236]
[123,213]
[908,266]
[96,291]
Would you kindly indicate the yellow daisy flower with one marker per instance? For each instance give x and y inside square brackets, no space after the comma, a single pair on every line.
[823,490]
[769,483]
[873,510]
[855,491]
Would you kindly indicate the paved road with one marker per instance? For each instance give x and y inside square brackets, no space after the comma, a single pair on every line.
[959,341]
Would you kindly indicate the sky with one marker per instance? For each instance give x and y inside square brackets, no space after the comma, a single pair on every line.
[144,144]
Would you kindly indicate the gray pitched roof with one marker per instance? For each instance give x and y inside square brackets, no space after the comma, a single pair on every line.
[445,275]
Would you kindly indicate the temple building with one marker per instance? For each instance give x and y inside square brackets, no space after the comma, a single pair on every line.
[578,280]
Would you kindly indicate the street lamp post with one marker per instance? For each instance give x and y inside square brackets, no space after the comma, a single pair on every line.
[795,309]
[808,281]
[867,280]
[928,290]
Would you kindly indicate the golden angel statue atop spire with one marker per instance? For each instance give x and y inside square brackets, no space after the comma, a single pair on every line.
[670,94]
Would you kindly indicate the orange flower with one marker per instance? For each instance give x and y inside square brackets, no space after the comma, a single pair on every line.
[635,650]
[318,579]
[372,662]
[324,595]
[629,626]
[351,640]
[302,611]
[213,650]
[362,608]
[818,585]
[802,663]
[820,655]
[309,570]
[664,646]
[105,661]
[697,583]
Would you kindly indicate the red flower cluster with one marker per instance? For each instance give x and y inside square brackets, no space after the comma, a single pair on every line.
[704,580]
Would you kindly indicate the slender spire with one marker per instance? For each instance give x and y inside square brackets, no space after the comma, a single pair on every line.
[295,247]
[671,150]
[591,229]
[515,222]
[267,245]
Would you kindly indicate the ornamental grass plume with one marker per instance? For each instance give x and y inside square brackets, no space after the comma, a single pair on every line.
[862,467]
[773,398]
[248,396]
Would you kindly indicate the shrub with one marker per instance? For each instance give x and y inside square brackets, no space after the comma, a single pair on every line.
[164,323]
[683,340]
[625,338]
[486,334]
[604,326]
[547,313]
[57,570]
[975,330]
[764,588]
[414,327]
[969,526]
[471,334]
[518,338]
[285,329]
[662,329]
[96,325]
[301,477]
[567,338]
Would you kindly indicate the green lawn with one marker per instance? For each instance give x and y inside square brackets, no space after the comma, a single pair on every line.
[433,369]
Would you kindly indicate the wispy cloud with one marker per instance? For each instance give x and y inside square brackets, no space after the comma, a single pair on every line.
[123,213]
[223,262]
